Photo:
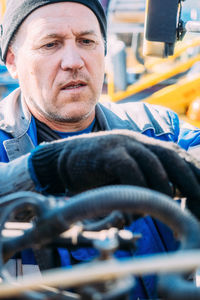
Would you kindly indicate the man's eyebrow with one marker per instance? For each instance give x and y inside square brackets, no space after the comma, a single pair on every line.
[87,32]
[80,33]
[50,35]
[47,37]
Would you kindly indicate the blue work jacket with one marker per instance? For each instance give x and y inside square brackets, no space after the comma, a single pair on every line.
[18,136]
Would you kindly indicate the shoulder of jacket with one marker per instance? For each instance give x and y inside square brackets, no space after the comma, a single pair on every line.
[145,116]
[14,117]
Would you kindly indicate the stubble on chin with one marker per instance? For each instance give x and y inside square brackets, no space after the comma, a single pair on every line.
[55,115]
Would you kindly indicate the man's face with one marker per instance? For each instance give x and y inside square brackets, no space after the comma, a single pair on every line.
[59,62]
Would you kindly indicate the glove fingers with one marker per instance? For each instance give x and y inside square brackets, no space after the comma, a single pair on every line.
[125,169]
[81,173]
[153,170]
[136,165]
[192,161]
[179,171]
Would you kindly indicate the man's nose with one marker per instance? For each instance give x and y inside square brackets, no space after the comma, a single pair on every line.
[71,59]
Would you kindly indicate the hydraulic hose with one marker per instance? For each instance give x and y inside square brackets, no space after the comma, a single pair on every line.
[18,197]
[114,219]
[21,206]
[102,201]
[175,287]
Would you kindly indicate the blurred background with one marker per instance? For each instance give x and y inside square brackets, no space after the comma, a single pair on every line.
[138,69]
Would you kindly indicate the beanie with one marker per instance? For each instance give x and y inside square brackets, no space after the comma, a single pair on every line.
[18,10]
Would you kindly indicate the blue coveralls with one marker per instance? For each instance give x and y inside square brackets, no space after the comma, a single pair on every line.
[154,122]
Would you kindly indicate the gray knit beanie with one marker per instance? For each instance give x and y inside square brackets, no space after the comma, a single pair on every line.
[18,10]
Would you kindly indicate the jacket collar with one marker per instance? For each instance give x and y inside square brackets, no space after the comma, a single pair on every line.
[15,117]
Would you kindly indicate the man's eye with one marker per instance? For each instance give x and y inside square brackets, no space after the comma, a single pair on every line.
[50,45]
[87,43]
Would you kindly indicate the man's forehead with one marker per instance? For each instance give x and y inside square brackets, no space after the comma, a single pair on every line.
[58,17]
[62,8]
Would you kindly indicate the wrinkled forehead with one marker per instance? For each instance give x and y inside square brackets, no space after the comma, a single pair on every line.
[60,16]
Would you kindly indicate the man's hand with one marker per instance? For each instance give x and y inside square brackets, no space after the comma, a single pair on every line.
[115,157]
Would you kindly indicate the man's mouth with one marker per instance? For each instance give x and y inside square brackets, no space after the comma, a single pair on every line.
[73,85]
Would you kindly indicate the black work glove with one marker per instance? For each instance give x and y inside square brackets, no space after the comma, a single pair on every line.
[115,157]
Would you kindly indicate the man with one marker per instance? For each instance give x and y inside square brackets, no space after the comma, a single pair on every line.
[56,50]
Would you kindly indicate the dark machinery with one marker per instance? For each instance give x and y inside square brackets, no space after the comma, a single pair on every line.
[76,223]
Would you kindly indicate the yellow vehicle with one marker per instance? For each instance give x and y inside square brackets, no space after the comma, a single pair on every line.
[168,81]
[2,8]
[172,66]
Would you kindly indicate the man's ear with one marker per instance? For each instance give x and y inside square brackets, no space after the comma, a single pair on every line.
[11,63]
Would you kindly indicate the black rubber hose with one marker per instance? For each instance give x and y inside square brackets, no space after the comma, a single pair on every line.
[19,204]
[114,219]
[174,287]
[102,201]
[18,197]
